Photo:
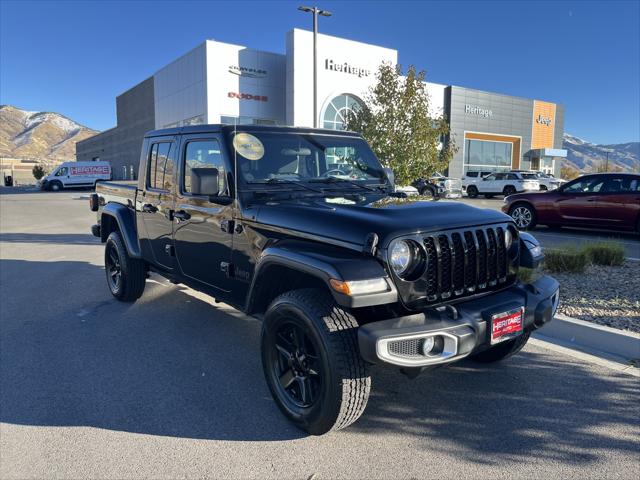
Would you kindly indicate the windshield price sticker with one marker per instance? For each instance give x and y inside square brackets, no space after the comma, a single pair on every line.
[248,146]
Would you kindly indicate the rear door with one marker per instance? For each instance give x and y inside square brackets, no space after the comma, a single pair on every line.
[487,184]
[619,201]
[156,200]
[203,227]
[577,204]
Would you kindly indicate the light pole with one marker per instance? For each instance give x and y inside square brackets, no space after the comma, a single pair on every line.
[315,11]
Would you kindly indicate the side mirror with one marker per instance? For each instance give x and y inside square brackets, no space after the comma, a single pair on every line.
[204,181]
[392,178]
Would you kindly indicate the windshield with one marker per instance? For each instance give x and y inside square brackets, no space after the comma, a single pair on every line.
[293,157]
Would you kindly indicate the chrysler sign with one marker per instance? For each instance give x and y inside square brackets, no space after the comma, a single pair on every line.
[346,67]
[247,71]
[479,111]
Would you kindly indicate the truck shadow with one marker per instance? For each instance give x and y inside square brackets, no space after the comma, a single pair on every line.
[174,365]
[55,238]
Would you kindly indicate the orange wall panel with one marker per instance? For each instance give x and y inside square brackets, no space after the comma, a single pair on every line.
[544,124]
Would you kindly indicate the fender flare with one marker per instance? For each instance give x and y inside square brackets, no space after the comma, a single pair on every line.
[125,220]
[322,265]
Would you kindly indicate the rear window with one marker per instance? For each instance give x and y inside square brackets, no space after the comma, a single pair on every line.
[160,173]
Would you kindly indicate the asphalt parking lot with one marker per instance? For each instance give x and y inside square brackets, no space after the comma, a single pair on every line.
[172,386]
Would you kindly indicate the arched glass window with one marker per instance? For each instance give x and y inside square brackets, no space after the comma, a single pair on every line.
[335,116]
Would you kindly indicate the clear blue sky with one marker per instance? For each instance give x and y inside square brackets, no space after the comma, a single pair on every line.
[74,57]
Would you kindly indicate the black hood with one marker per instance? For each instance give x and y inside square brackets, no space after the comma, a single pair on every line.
[388,218]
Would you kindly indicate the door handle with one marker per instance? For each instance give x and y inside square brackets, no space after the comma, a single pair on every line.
[148,208]
[181,215]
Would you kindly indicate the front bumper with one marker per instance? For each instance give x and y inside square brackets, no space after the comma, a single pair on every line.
[462,326]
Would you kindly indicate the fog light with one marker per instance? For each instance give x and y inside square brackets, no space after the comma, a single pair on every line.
[427,345]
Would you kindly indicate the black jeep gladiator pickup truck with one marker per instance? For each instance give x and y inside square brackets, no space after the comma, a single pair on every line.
[301,228]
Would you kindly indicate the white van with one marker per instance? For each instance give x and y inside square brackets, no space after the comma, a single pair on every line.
[76,174]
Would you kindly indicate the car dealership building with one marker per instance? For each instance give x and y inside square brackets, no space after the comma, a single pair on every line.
[223,83]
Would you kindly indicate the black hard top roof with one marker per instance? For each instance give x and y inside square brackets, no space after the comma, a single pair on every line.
[218,127]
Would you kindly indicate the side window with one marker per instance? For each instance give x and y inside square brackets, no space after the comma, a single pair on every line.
[161,166]
[203,154]
[62,172]
[491,177]
[511,176]
[499,176]
[472,174]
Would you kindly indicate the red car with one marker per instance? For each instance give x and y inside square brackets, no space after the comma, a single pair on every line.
[603,200]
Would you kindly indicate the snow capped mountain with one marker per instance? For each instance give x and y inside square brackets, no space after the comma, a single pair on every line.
[589,157]
[39,135]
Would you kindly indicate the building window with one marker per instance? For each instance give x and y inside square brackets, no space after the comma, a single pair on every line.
[337,112]
[486,154]
[243,120]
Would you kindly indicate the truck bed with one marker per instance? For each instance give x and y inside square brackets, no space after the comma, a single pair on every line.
[123,192]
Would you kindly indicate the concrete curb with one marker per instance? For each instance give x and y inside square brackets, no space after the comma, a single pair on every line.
[606,342]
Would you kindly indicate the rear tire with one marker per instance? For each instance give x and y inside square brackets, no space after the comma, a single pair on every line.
[502,350]
[472,191]
[509,190]
[126,276]
[312,363]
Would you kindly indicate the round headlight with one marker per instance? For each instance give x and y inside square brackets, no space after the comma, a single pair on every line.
[508,239]
[401,257]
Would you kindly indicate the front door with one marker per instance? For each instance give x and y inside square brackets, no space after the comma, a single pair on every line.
[203,226]
[156,201]
[578,202]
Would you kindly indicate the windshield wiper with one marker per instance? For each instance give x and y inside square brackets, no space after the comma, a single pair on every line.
[342,180]
[279,181]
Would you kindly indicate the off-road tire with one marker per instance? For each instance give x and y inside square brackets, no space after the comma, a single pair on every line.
[509,190]
[472,191]
[502,350]
[55,186]
[133,274]
[345,383]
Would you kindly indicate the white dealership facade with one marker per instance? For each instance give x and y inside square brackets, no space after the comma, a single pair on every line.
[223,83]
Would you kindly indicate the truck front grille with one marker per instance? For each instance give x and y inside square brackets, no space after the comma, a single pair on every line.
[463,262]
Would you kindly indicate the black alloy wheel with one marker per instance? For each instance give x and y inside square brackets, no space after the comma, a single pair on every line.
[113,268]
[296,364]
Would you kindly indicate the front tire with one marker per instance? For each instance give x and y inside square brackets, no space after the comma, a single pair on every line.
[126,276]
[472,191]
[311,361]
[429,193]
[503,350]
[55,186]
[524,216]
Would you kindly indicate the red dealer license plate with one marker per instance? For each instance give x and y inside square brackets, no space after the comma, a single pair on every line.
[506,325]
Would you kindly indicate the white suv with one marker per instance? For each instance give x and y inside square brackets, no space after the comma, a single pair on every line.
[547,181]
[499,183]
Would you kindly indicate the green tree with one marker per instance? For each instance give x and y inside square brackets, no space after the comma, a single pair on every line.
[38,171]
[397,124]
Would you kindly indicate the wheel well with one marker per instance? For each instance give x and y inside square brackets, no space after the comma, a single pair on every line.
[522,203]
[266,290]
[108,224]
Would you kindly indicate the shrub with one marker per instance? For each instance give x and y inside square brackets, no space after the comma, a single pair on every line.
[605,253]
[570,259]
[38,171]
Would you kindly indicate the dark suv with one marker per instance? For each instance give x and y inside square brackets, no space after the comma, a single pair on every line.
[302,229]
